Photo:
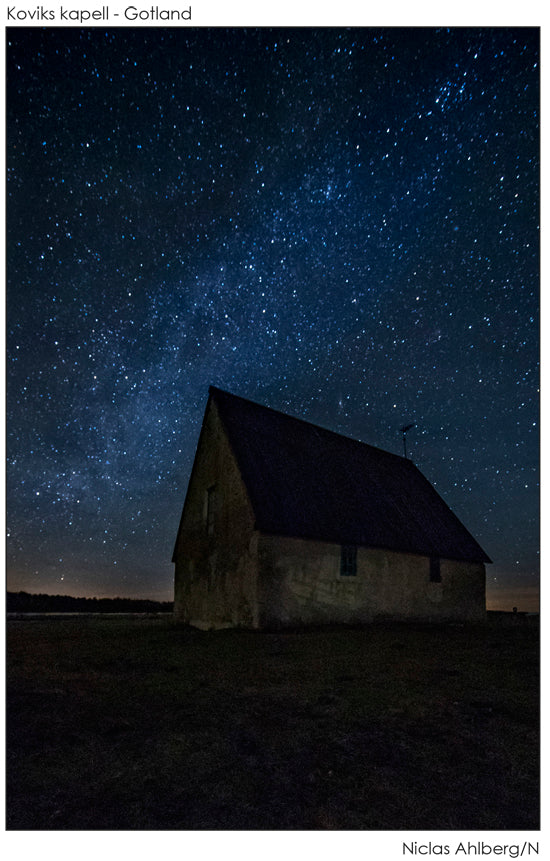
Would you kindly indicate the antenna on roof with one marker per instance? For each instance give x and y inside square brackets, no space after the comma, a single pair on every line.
[404,430]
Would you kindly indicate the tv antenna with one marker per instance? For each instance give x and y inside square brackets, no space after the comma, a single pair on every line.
[404,430]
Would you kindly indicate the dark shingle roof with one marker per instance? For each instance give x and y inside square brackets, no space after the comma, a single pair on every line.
[308,482]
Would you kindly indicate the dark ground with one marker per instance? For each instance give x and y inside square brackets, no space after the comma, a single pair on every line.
[135,723]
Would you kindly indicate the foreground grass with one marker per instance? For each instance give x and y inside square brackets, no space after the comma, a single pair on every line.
[138,724]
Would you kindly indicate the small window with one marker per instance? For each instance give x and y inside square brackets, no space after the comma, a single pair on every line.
[210,509]
[435,569]
[348,561]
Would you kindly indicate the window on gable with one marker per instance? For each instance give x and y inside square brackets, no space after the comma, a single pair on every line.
[348,561]
[435,569]
[210,509]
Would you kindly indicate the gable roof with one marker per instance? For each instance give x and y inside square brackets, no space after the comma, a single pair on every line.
[304,481]
[308,482]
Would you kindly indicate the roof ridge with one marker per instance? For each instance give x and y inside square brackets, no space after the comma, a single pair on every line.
[215,389]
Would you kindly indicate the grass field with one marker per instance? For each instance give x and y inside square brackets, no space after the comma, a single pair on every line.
[135,723]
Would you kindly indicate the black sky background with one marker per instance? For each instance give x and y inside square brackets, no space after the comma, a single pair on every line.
[339,223]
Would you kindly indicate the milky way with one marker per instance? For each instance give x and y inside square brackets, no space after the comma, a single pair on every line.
[339,223]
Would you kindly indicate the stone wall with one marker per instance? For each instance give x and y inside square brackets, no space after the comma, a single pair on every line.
[300,583]
[216,551]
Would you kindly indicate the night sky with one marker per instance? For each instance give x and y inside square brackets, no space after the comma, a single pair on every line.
[341,224]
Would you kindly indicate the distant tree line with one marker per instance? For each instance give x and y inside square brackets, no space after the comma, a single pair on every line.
[24,602]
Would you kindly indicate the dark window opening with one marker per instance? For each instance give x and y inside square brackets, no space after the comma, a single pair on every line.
[435,569]
[348,561]
[210,517]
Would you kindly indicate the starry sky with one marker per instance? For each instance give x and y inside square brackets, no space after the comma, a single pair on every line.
[338,223]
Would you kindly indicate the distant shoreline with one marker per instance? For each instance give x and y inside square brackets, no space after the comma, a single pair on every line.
[32,603]
[27,617]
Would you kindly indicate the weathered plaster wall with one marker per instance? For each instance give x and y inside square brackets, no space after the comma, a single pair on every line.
[215,576]
[300,583]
